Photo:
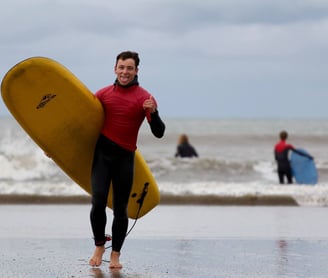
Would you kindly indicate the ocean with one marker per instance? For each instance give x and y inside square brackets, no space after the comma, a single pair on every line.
[235,161]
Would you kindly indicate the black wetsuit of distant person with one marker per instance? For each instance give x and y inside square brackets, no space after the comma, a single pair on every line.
[281,153]
[184,148]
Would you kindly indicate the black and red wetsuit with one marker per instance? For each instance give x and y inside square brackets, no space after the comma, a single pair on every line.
[281,153]
[113,161]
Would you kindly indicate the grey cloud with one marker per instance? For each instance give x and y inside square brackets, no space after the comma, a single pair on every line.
[221,49]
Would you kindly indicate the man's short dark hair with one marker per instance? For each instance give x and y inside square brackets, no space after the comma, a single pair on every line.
[128,55]
[283,135]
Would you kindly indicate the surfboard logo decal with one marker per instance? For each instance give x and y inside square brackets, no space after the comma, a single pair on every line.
[44,100]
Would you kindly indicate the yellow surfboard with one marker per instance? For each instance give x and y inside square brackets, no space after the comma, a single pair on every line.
[64,118]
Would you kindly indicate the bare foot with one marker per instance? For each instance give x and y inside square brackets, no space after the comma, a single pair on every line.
[97,256]
[115,260]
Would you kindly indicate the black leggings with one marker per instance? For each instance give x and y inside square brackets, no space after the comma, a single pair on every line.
[112,165]
[286,171]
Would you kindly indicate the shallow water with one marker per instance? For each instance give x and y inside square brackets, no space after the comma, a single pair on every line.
[236,159]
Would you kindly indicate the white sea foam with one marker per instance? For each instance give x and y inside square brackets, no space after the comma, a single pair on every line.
[236,159]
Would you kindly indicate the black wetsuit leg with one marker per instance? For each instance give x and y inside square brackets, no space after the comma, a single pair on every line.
[285,171]
[111,163]
[122,183]
[281,176]
[289,175]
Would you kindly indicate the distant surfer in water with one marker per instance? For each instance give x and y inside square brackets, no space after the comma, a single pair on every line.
[126,104]
[184,148]
[281,153]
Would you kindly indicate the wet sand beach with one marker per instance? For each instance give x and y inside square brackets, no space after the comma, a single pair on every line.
[171,241]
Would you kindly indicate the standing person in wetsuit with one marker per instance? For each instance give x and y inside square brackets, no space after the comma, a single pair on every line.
[281,153]
[184,148]
[126,104]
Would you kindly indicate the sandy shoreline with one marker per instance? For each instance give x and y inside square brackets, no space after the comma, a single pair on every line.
[171,241]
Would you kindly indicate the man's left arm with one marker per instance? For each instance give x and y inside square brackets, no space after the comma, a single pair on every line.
[302,154]
[157,126]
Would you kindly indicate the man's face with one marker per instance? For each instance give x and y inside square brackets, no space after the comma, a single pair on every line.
[125,71]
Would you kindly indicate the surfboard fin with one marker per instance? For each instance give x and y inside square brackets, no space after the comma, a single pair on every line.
[143,194]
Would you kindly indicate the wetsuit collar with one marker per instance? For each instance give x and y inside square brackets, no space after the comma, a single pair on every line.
[133,82]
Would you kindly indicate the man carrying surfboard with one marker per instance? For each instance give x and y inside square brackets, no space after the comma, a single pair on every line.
[126,105]
[281,153]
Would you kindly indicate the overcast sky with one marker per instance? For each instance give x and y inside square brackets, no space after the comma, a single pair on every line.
[210,58]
